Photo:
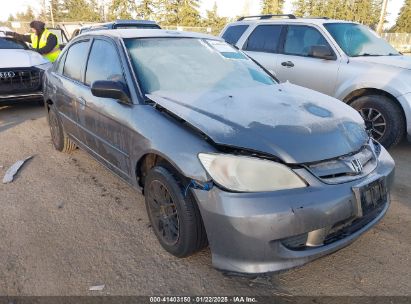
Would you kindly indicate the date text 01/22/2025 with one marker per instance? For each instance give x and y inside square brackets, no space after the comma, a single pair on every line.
[203,299]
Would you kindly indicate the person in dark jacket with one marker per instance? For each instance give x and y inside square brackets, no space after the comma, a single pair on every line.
[42,40]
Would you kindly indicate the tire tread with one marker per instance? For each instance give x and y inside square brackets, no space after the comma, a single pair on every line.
[197,237]
[395,116]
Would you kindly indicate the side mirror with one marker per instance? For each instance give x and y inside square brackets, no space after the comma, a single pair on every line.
[110,89]
[322,52]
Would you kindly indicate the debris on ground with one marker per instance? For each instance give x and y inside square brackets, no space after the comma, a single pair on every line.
[97,287]
[8,177]
[60,205]
[262,279]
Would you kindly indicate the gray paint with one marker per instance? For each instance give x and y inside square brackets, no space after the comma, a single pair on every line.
[254,223]
[300,124]
[285,121]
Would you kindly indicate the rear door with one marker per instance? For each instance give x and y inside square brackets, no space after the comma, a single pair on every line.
[296,66]
[263,45]
[69,77]
[102,119]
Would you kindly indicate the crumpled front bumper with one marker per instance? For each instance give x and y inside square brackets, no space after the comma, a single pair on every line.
[247,231]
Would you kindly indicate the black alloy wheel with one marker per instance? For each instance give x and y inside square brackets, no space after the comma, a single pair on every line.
[163,212]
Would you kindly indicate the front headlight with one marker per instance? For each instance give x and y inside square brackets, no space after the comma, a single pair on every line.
[248,174]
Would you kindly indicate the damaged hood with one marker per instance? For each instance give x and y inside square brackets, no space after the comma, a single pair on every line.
[292,123]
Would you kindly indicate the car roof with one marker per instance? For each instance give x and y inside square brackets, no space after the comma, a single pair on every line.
[125,21]
[121,22]
[148,33]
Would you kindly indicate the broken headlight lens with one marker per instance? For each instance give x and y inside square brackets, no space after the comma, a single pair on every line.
[249,174]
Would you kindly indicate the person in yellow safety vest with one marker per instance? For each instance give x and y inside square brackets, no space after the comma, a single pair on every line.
[42,40]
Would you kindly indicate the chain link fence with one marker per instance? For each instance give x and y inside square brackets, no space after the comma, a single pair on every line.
[204,30]
[401,41]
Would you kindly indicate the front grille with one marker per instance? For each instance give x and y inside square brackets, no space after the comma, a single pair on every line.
[296,242]
[20,80]
[340,231]
[337,232]
[341,170]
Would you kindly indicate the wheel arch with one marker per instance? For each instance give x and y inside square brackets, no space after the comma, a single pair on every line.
[48,103]
[373,91]
[152,159]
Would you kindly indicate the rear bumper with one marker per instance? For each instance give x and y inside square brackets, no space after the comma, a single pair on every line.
[250,232]
[38,95]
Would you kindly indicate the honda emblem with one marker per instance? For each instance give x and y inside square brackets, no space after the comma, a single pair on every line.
[356,165]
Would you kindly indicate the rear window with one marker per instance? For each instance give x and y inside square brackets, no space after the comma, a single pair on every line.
[233,33]
[265,38]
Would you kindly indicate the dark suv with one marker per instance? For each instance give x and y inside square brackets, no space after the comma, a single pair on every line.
[118,24]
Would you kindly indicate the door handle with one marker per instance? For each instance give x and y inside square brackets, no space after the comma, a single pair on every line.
[81,101]
[288,64]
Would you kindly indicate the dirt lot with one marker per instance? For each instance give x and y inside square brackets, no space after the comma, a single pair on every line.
[66,223]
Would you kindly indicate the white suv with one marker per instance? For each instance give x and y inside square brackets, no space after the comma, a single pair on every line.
[342,59]
[21,70]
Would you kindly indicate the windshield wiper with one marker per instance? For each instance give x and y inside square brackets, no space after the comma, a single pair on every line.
[367,54]
[375,55]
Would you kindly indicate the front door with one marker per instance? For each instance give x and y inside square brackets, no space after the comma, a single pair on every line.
[101,119]
[296,66]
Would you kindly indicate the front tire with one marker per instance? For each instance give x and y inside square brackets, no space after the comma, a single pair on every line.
[175,219]
[383,118]
[60,140]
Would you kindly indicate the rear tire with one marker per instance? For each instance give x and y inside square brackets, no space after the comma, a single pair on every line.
[60,140]
[383,118]
[175,219]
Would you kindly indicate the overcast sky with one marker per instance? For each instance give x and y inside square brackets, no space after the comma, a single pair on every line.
[228,8]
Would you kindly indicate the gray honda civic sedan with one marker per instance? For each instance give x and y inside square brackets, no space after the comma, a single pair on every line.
[270,175]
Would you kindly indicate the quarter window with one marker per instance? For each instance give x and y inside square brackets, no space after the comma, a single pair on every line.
[234,33]
[300,39]
[97,67]
[265,38]
[76,60]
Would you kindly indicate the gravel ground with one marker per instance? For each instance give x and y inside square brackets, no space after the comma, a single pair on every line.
[66,223]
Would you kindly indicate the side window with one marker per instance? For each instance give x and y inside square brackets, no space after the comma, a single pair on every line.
[97,67]
[60,64]
[264,38]
[234,33]
[300,39]
[76,60]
